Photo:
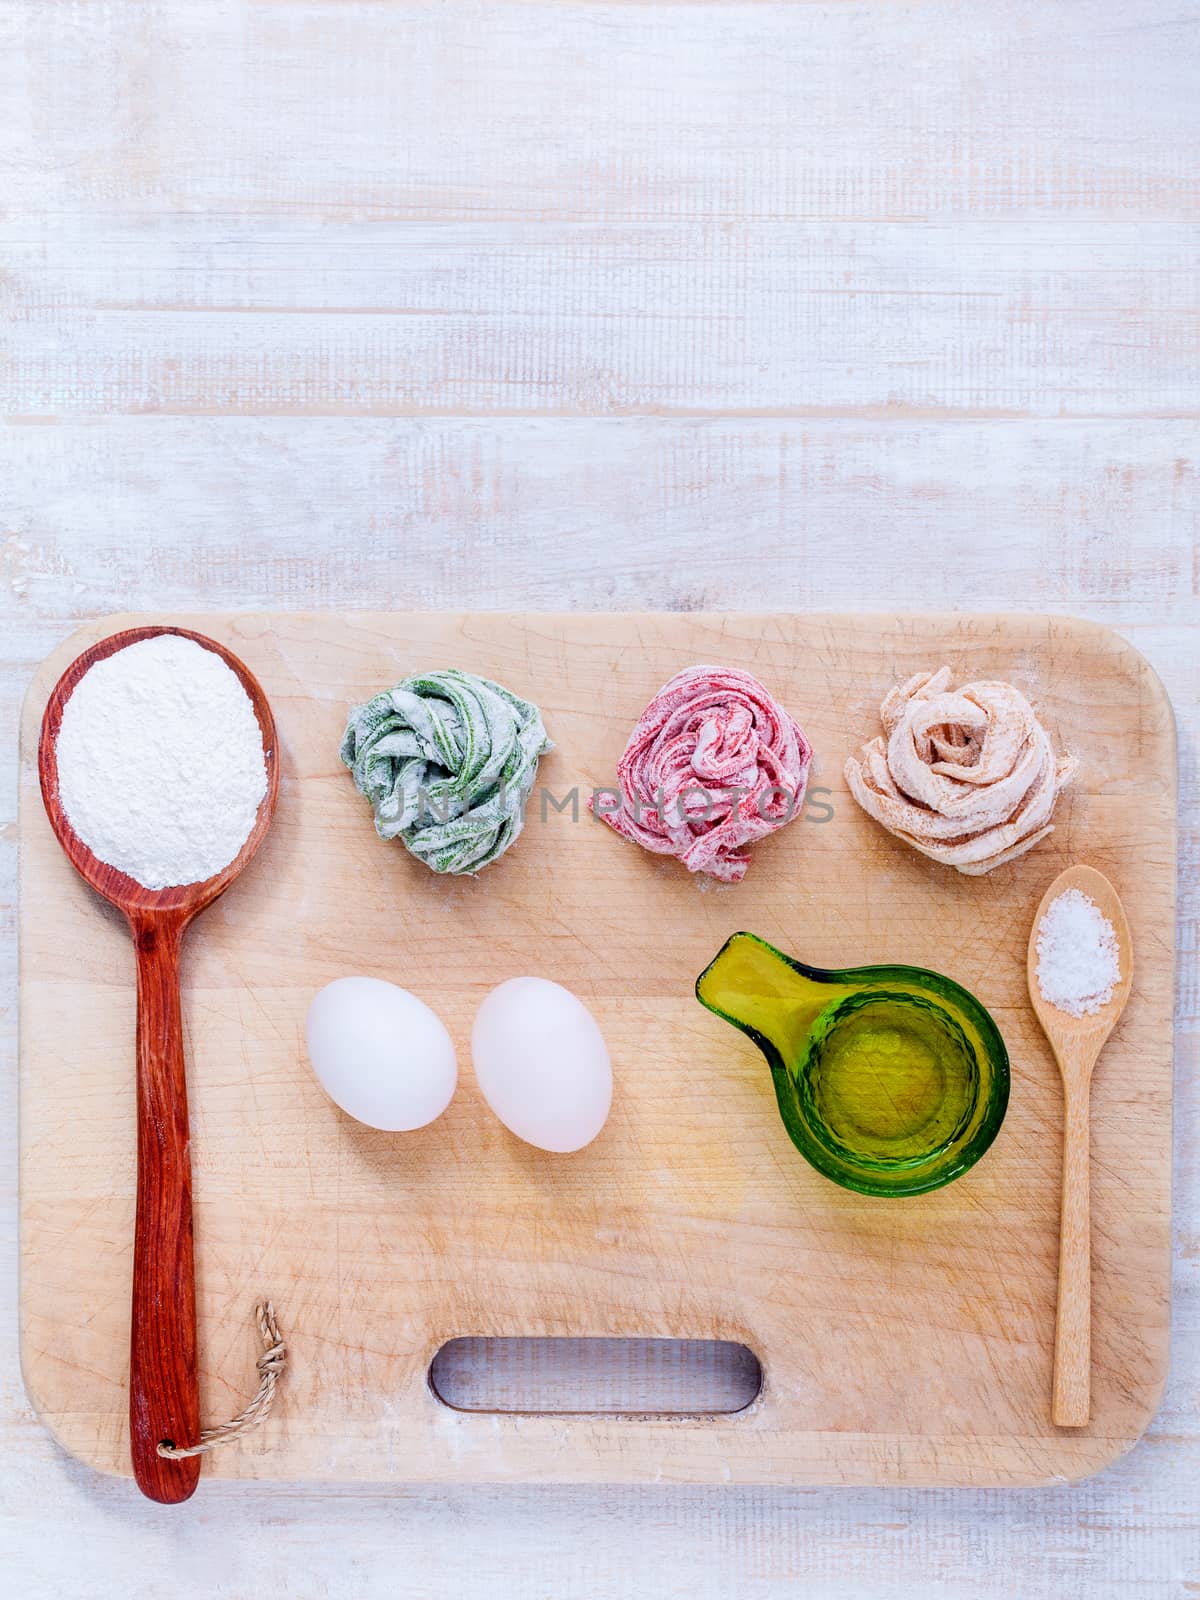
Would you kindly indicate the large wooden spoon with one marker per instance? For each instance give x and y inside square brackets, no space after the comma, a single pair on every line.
[1077,1042]
[164,1402]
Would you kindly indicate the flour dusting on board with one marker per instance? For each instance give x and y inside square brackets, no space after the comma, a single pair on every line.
[160,762]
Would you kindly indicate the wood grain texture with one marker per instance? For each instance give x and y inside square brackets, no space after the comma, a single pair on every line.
[164,1378]
[692,1217]
[1077,1043]
[238,114]
[793,319]
[164,1391]
[344,111]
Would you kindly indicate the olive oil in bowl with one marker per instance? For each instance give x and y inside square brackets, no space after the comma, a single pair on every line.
[890,1080]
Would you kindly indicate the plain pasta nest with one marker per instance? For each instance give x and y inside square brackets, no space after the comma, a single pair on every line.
[966,776]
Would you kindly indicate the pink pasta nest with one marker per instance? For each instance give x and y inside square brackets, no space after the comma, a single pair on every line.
[714,764]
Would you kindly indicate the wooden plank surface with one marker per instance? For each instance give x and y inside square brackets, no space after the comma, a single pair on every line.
[345,112]
[790,318]
[902,1342]
[228,117]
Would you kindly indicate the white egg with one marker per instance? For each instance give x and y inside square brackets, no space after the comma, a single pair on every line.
[542,1064]
[380,1053]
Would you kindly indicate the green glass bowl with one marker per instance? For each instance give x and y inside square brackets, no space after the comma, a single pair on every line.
[890,1080]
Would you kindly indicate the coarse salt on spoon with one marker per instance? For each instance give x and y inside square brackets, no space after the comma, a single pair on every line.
[164,1404]
[1077,1042]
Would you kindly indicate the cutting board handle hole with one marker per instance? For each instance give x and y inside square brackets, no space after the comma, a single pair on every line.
[612,1377]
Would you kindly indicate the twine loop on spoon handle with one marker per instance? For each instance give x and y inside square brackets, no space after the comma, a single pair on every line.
[272,1364]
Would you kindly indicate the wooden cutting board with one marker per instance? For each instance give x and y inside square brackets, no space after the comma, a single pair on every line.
[903,1341]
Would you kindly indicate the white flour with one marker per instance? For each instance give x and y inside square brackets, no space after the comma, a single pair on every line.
[160,762]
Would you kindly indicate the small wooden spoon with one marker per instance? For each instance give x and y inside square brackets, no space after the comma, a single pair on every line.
[1077,1042]
[164,1400]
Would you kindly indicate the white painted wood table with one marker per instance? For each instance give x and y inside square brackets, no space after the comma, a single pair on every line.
[379,303]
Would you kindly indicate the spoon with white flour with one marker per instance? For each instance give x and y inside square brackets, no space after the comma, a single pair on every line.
[1080,968]
[158,768]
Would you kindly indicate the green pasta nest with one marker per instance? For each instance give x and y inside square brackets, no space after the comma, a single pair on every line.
[447,761]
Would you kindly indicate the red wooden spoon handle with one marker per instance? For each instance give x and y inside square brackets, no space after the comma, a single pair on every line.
[164,1399]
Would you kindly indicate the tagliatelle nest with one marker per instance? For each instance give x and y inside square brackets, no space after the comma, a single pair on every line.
[714,763]
[447,761]
[966,776]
